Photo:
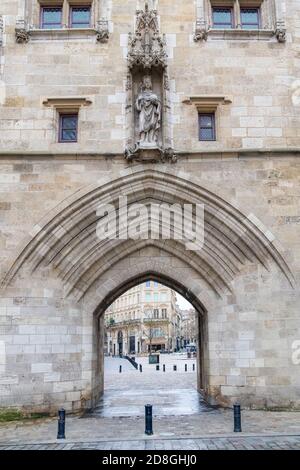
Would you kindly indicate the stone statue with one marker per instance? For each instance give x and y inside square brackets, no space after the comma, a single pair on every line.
[149,107]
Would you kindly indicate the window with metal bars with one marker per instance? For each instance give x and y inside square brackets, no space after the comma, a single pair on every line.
[68,127]
[207,127]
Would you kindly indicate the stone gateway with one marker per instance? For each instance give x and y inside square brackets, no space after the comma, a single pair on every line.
[220,100]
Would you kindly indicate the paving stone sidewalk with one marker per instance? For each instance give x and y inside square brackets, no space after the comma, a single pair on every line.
[216,443]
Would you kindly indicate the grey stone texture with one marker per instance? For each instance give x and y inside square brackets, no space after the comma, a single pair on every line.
[57,277]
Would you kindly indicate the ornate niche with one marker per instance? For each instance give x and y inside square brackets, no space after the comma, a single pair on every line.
[148,102]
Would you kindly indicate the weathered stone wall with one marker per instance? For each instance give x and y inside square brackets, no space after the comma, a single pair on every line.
[48,310]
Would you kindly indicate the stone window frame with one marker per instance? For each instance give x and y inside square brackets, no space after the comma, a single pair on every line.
[208,104]
[28,25]
[63,106]
[271,17]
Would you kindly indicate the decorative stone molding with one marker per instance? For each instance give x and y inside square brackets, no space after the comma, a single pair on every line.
[102,31]
[207,102]
[280,31]
[73,102]
[147,48]
[21,32]
[1,30]
[272,21]
[148,86]
[151,155]
[201,32]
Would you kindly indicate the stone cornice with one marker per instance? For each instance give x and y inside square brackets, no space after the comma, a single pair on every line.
[210,154]
[67,102]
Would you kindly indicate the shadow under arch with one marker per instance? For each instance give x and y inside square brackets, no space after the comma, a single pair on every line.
[201,325]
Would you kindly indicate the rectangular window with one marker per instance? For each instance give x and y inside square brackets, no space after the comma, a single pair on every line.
[51,17]
[155,296]
[155,283]
[156,313]
[222,18]
[68,127]
[148,297]
[164,313]
[148,284]
[80,17]
[250,18]
[207,128]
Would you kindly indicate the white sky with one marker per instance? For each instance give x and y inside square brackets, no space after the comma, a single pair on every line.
[184,304]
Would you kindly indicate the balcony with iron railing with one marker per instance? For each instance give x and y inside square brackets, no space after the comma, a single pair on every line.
[156,320]
[122,323]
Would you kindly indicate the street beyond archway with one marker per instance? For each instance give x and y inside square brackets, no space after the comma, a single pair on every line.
[171,392]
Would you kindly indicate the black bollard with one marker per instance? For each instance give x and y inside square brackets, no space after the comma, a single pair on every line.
[141,368]
[193,367]
[61,424]
[148,420]
[157,367]
[237,418]
[120,369]
[164,368]
[174,368]
[185,367]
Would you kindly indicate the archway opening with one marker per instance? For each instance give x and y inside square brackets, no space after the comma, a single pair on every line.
[152,347]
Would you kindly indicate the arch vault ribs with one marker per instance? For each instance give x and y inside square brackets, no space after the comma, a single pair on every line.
[67,241]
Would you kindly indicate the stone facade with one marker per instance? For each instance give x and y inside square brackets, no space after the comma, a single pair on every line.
[145,317]
[58,279]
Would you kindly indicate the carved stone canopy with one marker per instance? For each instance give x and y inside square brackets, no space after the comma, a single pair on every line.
[147,48]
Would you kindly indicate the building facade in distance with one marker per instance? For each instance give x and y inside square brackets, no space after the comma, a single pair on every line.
[144,318]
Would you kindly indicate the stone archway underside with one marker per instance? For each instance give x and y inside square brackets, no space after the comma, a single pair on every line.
[66,240]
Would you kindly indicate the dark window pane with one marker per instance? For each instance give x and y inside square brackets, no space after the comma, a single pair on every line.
[250,18]
[68,128]
[207,127]
[222,18]
[68,135]
[206,134]
[51,18]
[69,122]
[206,121]
[80,17]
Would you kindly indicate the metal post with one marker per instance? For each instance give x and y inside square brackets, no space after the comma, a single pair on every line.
[157,366]
[237,418]
[120,369]
[164,368]
[174,368]
[61,424]
[193,367]
[185,367]
[148,420]
[141,368]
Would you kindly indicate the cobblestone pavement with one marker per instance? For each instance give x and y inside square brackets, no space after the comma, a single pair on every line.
[215,443]
[126,393]
[170,428]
